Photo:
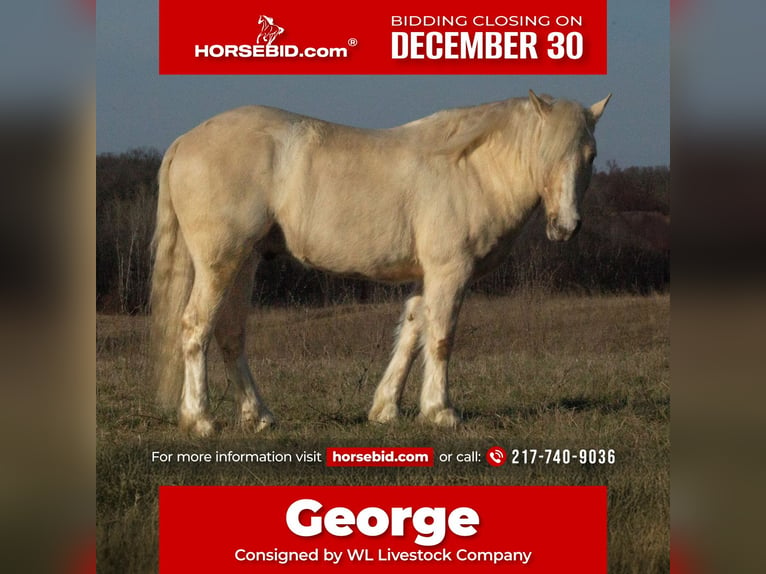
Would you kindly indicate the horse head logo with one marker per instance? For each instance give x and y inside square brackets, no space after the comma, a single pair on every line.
[269,30]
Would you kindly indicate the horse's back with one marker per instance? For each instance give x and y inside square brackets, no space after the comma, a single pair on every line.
[239,128]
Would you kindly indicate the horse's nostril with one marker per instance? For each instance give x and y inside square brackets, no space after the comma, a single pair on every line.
[577,226]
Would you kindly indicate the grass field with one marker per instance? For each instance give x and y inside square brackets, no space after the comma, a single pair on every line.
[528,371]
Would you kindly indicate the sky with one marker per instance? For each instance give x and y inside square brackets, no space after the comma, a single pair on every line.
[136,107]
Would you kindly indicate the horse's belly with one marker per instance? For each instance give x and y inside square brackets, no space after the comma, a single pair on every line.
[356,255]
[397,273]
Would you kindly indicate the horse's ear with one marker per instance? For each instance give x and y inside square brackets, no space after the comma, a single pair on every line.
[541,105]
[598,108]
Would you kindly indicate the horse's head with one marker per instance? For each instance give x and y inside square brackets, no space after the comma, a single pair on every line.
[568,149]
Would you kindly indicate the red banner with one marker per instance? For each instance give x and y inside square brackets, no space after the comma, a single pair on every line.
[397,37]
[541,530]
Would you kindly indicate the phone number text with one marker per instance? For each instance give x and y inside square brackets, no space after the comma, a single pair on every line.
[562,456]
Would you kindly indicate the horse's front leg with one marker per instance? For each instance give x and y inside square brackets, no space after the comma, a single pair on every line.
[442,297]
[385,405]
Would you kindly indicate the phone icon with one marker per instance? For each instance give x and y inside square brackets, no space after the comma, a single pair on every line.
[496,456]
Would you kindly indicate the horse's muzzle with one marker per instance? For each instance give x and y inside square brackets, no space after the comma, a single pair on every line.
[556,232]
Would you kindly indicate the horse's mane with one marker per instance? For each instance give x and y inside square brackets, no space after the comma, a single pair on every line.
[456,130]
[514,129]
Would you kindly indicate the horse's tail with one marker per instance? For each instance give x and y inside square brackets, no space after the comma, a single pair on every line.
[172,278]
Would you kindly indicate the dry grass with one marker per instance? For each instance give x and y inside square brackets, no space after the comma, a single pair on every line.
[529,371]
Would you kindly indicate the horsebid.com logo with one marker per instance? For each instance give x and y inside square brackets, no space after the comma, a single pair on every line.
[265,47]
[269,30]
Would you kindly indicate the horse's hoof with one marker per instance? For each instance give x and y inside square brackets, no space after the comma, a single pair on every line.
[256,423]
[201,427]
[446,418]
[384,413]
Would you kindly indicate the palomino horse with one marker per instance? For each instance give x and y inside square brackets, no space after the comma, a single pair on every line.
[436,202]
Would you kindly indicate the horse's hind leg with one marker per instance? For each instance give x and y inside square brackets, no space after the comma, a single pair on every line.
[198,321]
[230,334]
[385,405]
[216,269]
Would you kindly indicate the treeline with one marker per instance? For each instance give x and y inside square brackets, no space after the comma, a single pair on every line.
[624,244]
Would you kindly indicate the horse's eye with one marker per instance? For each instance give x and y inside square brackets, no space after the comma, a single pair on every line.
[590,157]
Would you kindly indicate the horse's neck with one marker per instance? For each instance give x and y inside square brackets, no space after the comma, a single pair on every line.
[511,190]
